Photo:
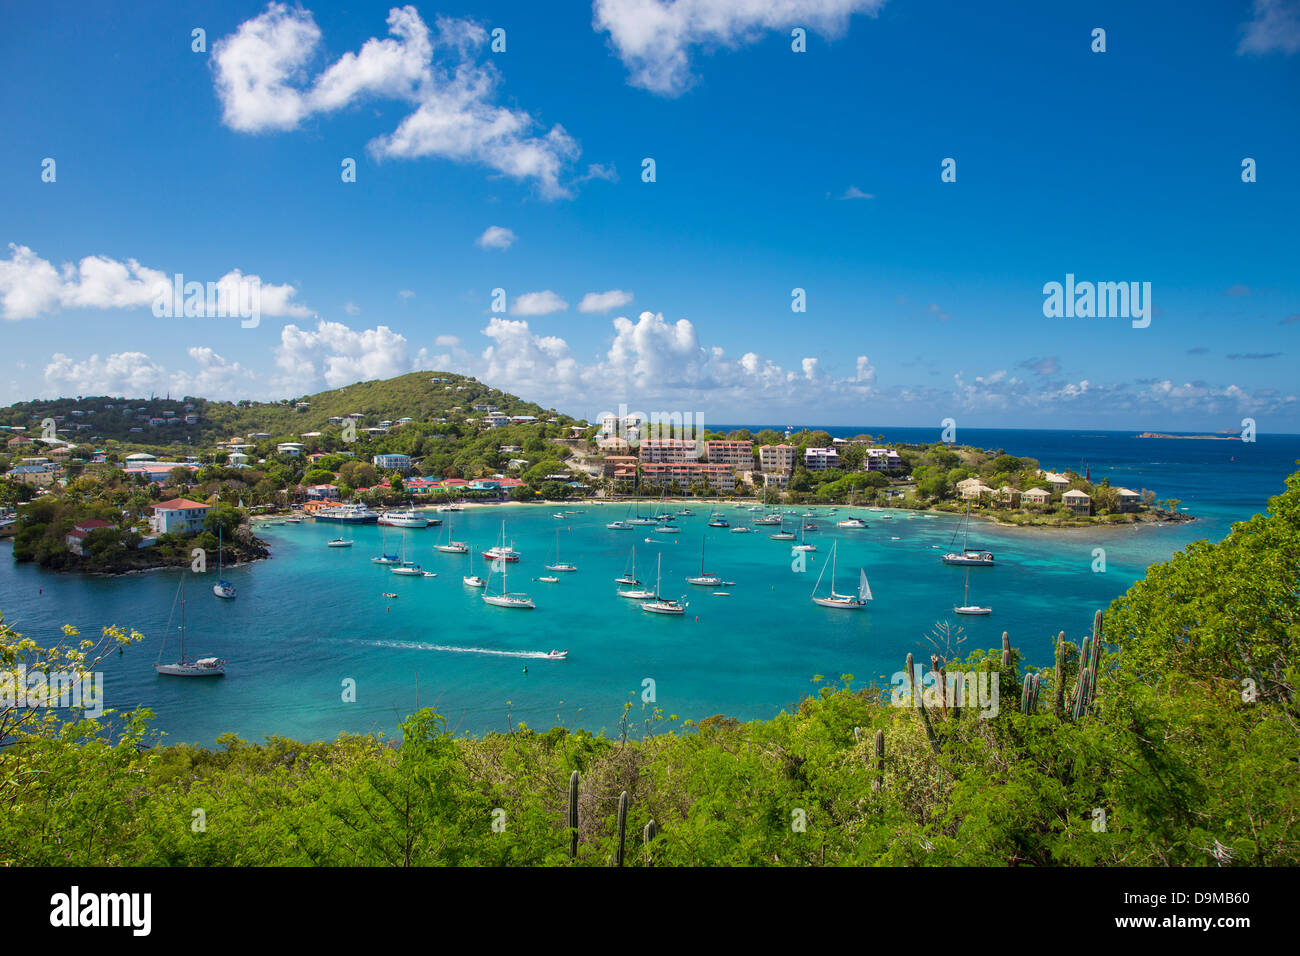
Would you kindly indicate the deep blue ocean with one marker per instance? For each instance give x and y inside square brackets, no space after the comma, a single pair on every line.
[310,618]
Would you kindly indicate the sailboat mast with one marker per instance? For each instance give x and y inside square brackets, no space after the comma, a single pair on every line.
[182,617]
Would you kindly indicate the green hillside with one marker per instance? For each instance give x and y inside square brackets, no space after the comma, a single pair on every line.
[418,395]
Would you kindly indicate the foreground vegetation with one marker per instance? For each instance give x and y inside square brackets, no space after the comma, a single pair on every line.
[1176,746]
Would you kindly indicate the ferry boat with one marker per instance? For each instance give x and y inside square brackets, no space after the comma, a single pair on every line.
[410,518]
[348,514]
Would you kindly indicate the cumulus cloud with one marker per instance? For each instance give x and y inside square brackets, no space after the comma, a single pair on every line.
[604,301]
[447,341]
[655,38]
[261,80]
[336,355]
[538,303]
[31,286]
[1274,27]
[495,237]
[135,373]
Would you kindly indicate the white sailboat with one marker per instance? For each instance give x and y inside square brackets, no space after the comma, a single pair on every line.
[450,547]
[384,557]
[702,579]
[505,598]
[473,580]
[560,565]
[803,545]
[661,605]
[967,607]
[848,602]
[202,667]
[966,555]
[223,588]
[409,568]
[629,577]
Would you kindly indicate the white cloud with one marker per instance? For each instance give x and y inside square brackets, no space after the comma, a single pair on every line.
[262,84]
[136,374]
[538,303]
[336,355]
[406,295]
[496,237]
[1275,26]
[604,301]
[447,341]
[351,308]
[31,286]
[654,38]
[853,192]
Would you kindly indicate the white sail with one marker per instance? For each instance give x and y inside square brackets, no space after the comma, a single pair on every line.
[864,589]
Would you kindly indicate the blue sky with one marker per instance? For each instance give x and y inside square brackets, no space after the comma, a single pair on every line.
[775,170]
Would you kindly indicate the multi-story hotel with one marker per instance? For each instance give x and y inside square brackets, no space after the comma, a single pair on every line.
[881,459]
[819,459]
[669,450]
[776,458]
[736,454]
[684,474]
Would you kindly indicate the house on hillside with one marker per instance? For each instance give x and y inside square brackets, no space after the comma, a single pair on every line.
[1079,502]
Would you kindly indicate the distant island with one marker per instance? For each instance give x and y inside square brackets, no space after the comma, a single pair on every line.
[1205,437]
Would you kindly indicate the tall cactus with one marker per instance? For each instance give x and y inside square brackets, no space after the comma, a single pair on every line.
[573,815]
[1096,657]
[1006,649]
[918,701]
[622,828]
[880,761]
[1026,694]
[1058,686]
[647,835]
[1079,702]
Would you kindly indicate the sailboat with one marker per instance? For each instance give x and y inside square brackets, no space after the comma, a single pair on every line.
[223,588]
[505,598]
[967,607]
[384,557]
[717,521]
[848,602]
[966,555]
[629,577]
[706,580]
[339,542]
[802,545]
[622,524]
[451,547]
[409,568]
[473,580]
[560,565]
[203,667]
[661,605]
[782,535]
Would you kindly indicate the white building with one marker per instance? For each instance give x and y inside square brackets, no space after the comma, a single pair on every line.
[398,463]
[820,459]
[178,516]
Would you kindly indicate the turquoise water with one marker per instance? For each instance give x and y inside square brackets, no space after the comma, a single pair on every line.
[312,617]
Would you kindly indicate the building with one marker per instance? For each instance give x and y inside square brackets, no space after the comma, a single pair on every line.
[669,450]
[778,459]
[820,459]
[291,448]
[881,459]
[178,516]
[1077,501]
[1007,495]
[38,476]
[970,489]
[159,472]
[77,536]
[1036,496]
[398,463]
[1056,482]
[619,466]
[736,454]
[322,493]
[1129,500]
[685,474]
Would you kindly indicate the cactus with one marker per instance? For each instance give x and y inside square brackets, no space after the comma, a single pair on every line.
[1058,687]
[1026,694]
[622,828]
[1038,686]
[880,760]
[1006,649]
[1096,658]
[918,701]
[573,815]
[648,834]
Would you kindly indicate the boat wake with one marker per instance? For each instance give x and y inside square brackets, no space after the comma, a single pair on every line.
[418,646]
